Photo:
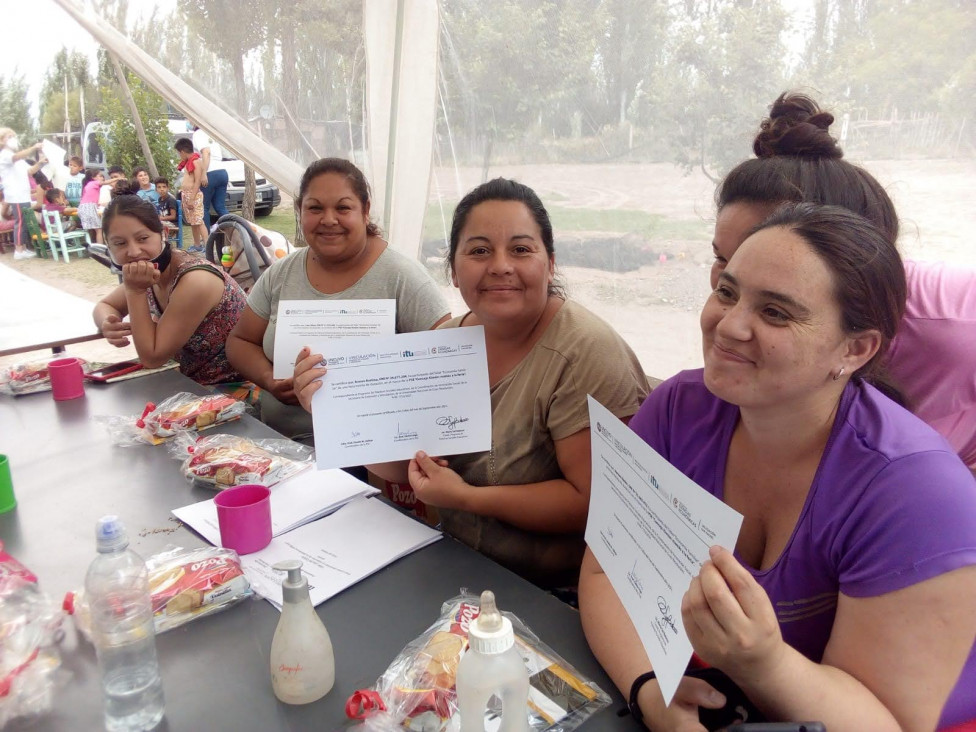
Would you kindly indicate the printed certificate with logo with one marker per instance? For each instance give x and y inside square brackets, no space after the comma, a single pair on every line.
[316,323]
[385,398]
[650,527]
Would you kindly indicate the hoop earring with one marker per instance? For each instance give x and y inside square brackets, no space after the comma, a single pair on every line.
[839,373]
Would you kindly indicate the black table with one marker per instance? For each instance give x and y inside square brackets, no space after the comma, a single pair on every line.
[215,670]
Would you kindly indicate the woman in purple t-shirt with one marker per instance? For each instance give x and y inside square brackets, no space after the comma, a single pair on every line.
[850,595]
[931,358]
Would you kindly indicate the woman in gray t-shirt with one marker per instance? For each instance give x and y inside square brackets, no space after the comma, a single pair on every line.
[345,259]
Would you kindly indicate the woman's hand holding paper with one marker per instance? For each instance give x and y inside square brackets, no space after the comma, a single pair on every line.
[308,377]
[436,484]
[729,619]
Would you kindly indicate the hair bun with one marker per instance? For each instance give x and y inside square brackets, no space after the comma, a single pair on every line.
[796,126]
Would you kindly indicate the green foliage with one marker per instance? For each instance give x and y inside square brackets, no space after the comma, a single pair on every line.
[15,109]
[121,143]
[75,69]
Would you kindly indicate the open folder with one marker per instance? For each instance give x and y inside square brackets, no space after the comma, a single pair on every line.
[305,497]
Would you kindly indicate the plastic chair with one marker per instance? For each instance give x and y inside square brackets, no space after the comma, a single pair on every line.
[39,239]
[237,232]
[70,241]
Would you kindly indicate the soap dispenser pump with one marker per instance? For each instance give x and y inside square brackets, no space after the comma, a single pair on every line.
[302,661]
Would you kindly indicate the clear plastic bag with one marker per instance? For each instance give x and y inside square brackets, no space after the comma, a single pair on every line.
[179,413]
[30,626]
[417,690]
[30,377]
[184,584]
[221,461]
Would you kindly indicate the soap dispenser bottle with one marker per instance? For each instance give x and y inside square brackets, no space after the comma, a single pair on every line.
[302,661]
[492,665]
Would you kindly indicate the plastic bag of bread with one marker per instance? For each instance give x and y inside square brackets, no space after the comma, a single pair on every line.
[179,413]
[221,461]
[29,377]
[184,584]
[417,690]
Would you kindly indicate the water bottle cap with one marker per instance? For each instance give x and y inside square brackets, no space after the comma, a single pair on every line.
[491,632]
[110,534]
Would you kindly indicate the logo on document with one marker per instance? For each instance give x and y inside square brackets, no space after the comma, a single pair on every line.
[407,354]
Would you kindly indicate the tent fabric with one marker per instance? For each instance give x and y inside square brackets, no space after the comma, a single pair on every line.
[229,131]
[400,184]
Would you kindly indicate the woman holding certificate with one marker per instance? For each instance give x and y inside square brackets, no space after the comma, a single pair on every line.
[345,260]
[849,598]
[524,502]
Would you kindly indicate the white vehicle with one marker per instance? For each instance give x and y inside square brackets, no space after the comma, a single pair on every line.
[266,196]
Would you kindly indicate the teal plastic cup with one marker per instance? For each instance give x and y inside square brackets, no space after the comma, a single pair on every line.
[7,500]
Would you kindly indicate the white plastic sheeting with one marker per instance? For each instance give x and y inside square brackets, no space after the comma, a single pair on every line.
[401,60]
[226,129]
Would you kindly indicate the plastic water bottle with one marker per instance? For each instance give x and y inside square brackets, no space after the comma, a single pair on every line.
[117,589]
[492,666]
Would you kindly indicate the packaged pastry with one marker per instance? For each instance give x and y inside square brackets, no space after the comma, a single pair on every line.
[179,413]
[30,377]
[221,461]
[184,584]
[417,691]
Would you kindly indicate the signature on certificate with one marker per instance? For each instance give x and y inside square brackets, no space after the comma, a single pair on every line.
[450,422]
[666,617]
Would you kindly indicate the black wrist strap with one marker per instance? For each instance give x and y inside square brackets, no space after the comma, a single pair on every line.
[632,705]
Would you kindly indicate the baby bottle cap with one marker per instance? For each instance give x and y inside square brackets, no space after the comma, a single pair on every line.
[491,632]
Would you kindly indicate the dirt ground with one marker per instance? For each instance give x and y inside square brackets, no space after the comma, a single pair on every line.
[656,307]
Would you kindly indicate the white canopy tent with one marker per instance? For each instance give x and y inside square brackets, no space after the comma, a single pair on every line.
[401,57]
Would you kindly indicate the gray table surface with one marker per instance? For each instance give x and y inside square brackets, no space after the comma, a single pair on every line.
[66,474]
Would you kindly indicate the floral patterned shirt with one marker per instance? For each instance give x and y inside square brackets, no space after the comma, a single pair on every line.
[203,357]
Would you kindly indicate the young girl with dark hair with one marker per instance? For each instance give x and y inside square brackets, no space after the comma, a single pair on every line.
[179,306]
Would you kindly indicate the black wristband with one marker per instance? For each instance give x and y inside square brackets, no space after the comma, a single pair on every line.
[632,705]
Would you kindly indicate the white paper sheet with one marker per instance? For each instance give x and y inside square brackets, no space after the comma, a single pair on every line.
[302,498]
[315,323]
[54,168]
[650,527]
[385,398]
[339,550]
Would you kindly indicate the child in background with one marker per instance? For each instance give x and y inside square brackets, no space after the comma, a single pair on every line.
[72,189]
[190,192]
[145,191]
[55,200]
[94,184]
[166,206]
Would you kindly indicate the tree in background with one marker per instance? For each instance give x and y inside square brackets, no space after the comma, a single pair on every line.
[74,68]
[232,28]
[726,66]
[119,139]
[15,110]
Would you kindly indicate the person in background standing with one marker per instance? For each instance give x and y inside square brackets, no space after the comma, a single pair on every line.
[15,172]
[72,189]
[213,184]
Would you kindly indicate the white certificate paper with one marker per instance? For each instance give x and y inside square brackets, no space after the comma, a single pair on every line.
[339,550]
[315,323]
[650,527]
[384,399]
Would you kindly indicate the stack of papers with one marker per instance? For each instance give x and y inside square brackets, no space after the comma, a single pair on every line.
[305,497]
[339,550]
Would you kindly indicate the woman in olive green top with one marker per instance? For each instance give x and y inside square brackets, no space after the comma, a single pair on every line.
[524,502]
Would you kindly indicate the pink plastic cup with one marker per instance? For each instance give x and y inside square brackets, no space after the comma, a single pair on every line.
[67,379]
[244,517]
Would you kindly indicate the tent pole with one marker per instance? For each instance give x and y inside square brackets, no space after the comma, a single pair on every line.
[394,105]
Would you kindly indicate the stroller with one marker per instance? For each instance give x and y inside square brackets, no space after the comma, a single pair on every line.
[252,248]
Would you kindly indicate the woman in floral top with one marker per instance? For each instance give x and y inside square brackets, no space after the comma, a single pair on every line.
[179,306]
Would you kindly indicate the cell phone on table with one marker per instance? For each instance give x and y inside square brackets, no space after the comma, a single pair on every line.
[777,727]
[111,371]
